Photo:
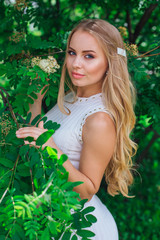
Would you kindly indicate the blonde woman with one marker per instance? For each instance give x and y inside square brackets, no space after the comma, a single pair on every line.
[96,117]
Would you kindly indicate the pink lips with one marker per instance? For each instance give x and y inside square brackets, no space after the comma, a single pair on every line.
[77,75]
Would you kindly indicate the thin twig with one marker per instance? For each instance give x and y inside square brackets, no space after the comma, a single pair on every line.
[45,190]
[43,193]
[50,53]
[14,207]
[47,54]
[31,179]
[10,230]
[14,167]
[4,194]
[10,107]
[144,54]
[2,144]
[156,54]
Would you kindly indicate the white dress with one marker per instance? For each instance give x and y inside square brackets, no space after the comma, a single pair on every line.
[69,139]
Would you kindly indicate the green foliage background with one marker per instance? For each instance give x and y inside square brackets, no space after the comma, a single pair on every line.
[40,28]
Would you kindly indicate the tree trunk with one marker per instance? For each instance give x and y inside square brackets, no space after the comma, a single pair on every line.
[143,21]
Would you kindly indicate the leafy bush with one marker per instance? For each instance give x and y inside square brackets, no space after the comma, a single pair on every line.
[36,199]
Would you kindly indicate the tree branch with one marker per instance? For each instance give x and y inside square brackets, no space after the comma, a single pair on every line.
[58,6]
[143,21]
[128,19]
[116,16]
[151,55]
[4,194]
[145,54]
[9,105]
[146,149]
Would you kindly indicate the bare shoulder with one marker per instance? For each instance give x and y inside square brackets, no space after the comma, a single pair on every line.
[100,120]
[99,123]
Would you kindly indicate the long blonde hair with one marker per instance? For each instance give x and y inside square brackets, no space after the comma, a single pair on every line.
[119,95]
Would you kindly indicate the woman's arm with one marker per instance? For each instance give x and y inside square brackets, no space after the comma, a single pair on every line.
[99,139]
[35,108]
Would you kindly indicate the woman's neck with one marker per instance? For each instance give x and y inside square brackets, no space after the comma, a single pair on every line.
[87,92]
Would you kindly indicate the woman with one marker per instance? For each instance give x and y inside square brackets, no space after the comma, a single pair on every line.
[96,117]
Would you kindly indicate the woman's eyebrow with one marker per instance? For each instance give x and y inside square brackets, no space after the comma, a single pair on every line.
[83,50]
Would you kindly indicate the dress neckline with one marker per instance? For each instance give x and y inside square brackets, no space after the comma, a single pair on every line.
[95,96]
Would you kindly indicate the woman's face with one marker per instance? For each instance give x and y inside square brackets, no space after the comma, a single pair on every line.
[86,62]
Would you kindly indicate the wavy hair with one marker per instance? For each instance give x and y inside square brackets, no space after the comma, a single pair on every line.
[119,98]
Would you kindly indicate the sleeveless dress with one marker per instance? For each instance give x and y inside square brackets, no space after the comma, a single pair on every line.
[68,138]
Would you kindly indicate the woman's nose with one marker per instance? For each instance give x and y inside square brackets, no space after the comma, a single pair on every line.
[77,62]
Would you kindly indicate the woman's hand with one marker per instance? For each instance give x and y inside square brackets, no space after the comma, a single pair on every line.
[35,132]
[35,108]
[40,96]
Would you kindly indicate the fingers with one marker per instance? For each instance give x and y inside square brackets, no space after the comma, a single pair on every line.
[31,144]
[34,132]
[30,132]
[40,125]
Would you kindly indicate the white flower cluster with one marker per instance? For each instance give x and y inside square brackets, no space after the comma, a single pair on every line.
[48,65]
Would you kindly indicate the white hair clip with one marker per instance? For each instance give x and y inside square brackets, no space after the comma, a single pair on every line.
[121,52]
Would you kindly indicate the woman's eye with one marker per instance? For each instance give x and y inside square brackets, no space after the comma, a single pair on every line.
[71,53]
[89,56]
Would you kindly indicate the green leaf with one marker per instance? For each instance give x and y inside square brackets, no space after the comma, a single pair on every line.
[62,169]
[33,95]
[42,75]
[47,101]
[51,125]
[43,138]
[74,237]
[66,236]
[11,138]
[32,74]
[23,150]
[43,91]
[88,210]
[39,173]
[70,185]
[7,163]
[26,104]
[83,201]
[28,117]
[45,235]
[61,215]
[52,226]
[91,218]
[23,170]
[52,152]
[44,119]
[3,237]
[63,158]
[74,202]
[85,233]
[29,139]
[30,100]
[22,71]
[71,194]
[34,159]
[36,119]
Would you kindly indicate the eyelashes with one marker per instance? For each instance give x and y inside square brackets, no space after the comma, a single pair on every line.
[71,53]
[87,56]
